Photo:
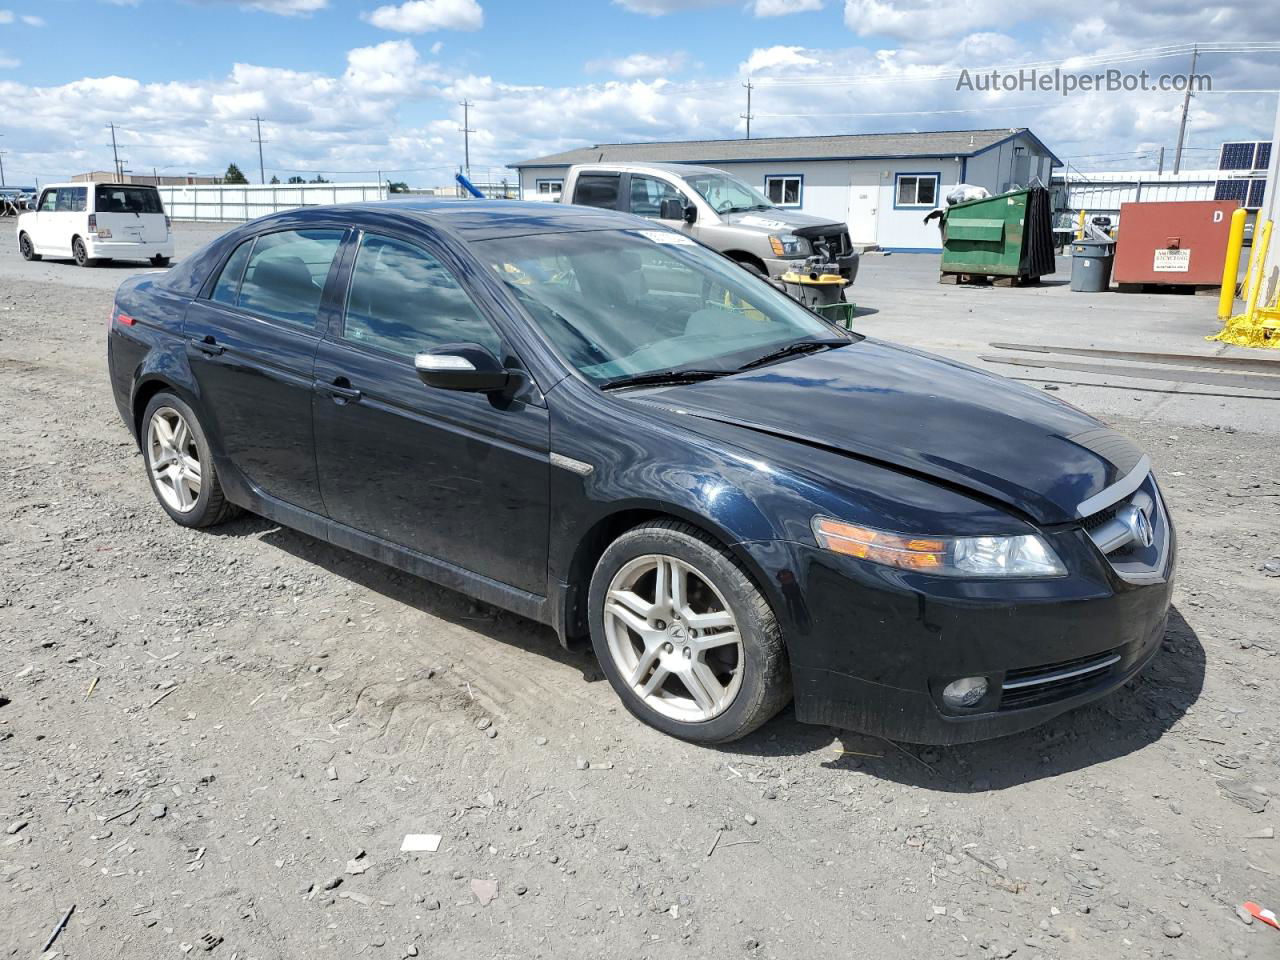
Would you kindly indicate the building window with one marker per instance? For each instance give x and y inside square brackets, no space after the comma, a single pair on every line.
[915,190]
[548,189]
[785,190]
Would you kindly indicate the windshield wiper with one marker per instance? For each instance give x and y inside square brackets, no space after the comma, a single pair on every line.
[663,376]
[791,350]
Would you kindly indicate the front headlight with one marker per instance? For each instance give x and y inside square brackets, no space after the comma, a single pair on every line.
[789,245]
[1024,555]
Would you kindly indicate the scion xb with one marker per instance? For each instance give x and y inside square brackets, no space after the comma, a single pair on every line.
[93,222]
[600,424]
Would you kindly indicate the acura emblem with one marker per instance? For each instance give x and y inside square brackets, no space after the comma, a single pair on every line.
[1138,523]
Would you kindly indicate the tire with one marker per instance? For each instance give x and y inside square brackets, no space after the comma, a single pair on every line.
[159,261]
[752,268]
[753,677]
[26,247]
[80,254]
[173,484]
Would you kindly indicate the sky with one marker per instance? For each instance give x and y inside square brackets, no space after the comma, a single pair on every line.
[351,88]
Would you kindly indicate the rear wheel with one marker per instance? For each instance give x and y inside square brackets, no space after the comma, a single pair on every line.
[159,261]
[27,248]
[180,465]
[684,636]
[81,254]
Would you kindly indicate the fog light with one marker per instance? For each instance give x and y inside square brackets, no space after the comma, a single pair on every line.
[965,692]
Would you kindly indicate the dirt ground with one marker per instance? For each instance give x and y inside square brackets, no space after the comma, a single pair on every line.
[215,742]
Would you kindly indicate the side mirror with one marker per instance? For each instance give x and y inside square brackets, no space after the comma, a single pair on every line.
[671,209]
[690,213]
[462,366]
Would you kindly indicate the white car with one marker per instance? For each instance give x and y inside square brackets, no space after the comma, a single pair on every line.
[91,222]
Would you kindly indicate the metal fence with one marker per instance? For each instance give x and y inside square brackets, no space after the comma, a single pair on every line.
[248,201]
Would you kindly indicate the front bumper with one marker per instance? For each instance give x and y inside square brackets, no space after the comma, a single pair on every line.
[128,249]
[872,648]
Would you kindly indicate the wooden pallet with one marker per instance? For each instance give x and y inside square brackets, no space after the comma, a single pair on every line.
[987,280]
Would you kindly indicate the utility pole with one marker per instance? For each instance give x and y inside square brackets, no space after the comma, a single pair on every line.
[748,115]
[466,134]
[1186,105]
[1160,163]
[1,165]
[115,154]
[262,171]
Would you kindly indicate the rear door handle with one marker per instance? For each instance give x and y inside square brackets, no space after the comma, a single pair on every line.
[340,390]
[208,345]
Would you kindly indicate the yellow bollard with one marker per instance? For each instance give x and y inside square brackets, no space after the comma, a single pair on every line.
[1080,228]
[1231,268]
[1255,282]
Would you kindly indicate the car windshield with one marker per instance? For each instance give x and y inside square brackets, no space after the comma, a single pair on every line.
[622,303]
[727,194]
[113,199]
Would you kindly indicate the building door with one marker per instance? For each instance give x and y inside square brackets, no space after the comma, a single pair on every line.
[863,201]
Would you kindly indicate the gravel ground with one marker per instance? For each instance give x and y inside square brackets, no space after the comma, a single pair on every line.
[216,741]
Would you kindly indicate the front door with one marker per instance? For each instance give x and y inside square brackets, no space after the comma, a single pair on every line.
[863,201]
[460,477]
[251,342]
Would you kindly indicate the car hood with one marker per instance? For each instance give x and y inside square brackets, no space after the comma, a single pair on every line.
[775,219]
[925,415]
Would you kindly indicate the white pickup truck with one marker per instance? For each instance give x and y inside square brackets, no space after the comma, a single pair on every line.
[92,222]
[715,208]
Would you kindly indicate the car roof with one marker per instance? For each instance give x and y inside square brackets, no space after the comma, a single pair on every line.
[677,169]
[94,183]
[470,220]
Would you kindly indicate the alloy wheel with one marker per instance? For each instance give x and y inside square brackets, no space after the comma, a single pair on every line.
[173,459]
[673,638]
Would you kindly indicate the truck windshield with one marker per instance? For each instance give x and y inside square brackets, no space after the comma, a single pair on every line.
[727,194]
[622,303]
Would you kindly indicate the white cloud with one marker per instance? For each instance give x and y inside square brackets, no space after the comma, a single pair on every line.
[389,68]
[782,8]
[639,65]
[32,21]
[424,16]
[8,63]
[6,16]
[770,58]
[284,8]
[658,8]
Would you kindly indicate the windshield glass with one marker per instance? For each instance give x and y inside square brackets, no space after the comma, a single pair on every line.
[725,193]
[115,199]
[620,303]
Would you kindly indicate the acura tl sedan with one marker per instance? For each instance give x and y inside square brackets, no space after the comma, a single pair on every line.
[599,424]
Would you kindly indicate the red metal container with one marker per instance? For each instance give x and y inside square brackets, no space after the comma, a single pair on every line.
[1180,242]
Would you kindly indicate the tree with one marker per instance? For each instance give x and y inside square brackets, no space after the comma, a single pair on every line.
[319,179]
[275,179]
[233,175]
[397,186]
[295,179]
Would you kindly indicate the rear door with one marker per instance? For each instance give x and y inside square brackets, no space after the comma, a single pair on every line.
[133,214]
[251,341]
[598,190]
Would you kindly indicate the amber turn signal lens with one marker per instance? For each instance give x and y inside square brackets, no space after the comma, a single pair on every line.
[866,543]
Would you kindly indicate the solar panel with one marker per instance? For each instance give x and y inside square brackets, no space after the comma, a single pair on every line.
[1256,190]
[1231,190]
[1237,156]
[1264,156]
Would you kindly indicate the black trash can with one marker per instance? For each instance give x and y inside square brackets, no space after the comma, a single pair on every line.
[1091,262]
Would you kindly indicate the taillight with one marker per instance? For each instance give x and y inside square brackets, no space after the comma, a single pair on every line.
[93,223]
[125,320]
[168,224]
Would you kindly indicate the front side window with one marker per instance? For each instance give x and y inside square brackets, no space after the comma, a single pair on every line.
[403,300]
[917,190]
[618,303]
[116,199]
[597,191]
[285,275]
[72,199]
[727,194]
[647,194]
[48,201]
[784,191]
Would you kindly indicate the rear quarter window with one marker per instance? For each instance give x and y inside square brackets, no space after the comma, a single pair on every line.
[596,190]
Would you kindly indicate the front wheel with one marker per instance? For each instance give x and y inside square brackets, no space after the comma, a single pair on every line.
[27,248]
[180,465]
[159,261]
[81,254]
[687,641]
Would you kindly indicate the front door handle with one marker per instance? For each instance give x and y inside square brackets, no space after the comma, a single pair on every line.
[340,390]
[208,345]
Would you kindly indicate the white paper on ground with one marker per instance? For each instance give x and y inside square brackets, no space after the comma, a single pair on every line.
[420,843]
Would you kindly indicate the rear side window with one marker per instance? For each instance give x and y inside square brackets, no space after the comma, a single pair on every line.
[285,274]
[595,190]
[227,289]
[113,199]
[72,199]
[403,300]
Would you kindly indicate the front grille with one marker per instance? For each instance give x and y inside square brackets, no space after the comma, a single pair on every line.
[1055,681]
[1094,521]
[1112,530]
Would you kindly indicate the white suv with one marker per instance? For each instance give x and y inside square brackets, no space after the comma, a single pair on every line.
[90,222]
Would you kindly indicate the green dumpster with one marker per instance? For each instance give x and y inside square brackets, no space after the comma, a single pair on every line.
[1009,235]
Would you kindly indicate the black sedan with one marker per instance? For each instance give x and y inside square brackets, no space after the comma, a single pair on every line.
[599,424]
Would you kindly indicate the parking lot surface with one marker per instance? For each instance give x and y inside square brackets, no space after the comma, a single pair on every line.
[223,737]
